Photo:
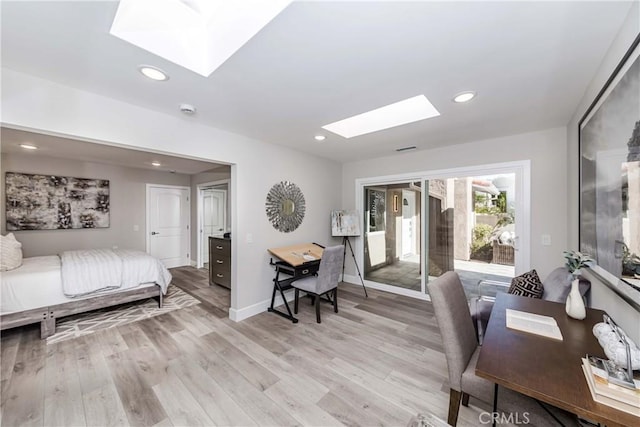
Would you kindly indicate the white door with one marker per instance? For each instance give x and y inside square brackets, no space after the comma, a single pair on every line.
[214,210]
[168,224]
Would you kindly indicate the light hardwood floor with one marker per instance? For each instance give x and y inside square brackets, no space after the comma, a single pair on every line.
[378,361]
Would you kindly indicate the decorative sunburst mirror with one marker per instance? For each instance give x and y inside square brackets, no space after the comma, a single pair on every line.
[285,206]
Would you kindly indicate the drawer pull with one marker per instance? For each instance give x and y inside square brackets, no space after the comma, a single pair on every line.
[219,261]
[305,271]
[219,247]
[219,275]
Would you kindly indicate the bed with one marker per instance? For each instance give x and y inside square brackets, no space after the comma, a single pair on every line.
[45,288]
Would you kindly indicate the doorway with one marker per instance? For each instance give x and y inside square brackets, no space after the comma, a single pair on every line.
[474,221]
[168,223]
[212,217]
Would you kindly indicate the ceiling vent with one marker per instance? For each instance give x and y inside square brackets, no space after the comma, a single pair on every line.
[400,150]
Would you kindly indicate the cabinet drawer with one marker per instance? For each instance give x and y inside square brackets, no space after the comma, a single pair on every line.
[220,245]
[221,278]
[220,265]
[219,260]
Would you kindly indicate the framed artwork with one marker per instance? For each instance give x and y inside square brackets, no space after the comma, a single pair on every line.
[46,202]
[345,223]
[609,135]
[376,207]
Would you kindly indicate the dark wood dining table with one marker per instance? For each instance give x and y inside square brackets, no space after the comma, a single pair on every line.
[543,368]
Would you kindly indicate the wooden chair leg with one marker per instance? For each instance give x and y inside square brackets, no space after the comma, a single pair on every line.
[465,399]
[295,302]
[454,406]
[335,300]
[317,297]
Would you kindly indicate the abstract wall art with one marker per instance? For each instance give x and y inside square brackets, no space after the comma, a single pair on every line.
[47,202]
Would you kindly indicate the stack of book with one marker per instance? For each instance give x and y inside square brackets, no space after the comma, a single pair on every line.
[603,391]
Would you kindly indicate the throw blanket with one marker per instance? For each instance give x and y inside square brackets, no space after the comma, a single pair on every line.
[88,271]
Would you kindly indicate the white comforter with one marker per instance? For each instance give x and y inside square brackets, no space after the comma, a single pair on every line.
[88,271]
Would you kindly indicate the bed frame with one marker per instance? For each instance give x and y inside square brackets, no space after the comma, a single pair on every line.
[47,315]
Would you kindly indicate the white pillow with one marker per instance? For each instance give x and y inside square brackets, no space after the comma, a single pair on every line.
[10,252]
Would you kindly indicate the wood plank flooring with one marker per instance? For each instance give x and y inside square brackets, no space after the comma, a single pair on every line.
[378,361]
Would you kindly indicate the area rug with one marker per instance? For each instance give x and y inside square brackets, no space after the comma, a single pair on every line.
[90,322]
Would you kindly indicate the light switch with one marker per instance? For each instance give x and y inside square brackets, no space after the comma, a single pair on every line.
[546,240]
[136,228]
[249,238]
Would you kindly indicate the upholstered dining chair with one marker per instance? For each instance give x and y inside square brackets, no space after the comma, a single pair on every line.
[462,350]
[325,282]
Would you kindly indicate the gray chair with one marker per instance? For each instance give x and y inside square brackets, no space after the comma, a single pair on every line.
[325,282]
[462,350]
[459,340]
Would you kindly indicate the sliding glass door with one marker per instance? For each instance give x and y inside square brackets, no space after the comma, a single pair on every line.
[392,244]
[471,221]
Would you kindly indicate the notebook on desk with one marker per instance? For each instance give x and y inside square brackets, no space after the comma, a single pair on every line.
[533,324]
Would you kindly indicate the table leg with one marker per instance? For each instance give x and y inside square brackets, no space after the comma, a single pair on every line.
[495,404]
[271,309]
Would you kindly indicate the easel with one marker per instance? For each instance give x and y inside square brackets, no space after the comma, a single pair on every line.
[345,242]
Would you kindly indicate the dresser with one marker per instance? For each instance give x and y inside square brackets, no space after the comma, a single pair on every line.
[220,261]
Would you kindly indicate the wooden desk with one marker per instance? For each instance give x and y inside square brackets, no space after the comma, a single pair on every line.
[296,262]
[543,368]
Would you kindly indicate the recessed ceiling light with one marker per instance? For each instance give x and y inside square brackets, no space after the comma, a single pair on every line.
[392,115]
[187,109]
[156,164]
[320,137]
[28,146]
[153,73]
[464,97]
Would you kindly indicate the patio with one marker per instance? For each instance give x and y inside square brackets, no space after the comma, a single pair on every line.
[406,274]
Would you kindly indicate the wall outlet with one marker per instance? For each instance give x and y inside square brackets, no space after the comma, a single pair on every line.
[546,240]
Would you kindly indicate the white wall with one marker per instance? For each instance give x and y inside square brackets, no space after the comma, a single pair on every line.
[547,152]
[602,297]
[127,194]
[36,104]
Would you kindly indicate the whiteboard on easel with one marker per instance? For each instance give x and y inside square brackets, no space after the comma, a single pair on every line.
[345,223]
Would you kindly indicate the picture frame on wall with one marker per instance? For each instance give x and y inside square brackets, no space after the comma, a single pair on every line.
[609,146]
[51,202]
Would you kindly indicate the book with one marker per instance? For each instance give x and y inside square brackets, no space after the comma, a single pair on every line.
[602,391]
[533,324]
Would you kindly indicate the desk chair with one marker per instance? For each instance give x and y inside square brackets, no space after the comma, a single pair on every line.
[325,282]
[462,350]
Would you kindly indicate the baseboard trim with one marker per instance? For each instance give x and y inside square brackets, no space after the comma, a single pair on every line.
[355,280]
[260,307]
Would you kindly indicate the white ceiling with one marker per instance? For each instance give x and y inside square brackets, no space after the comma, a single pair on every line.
[319,62]
[64,148]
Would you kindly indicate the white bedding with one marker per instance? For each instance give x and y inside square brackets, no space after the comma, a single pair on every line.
[91,270]
[88,271]
[38,282]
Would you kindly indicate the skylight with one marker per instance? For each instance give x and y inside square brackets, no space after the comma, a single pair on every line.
[199,35]
[392,115]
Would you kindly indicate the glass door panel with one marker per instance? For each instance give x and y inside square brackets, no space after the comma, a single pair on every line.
[471,229]
[392,235]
